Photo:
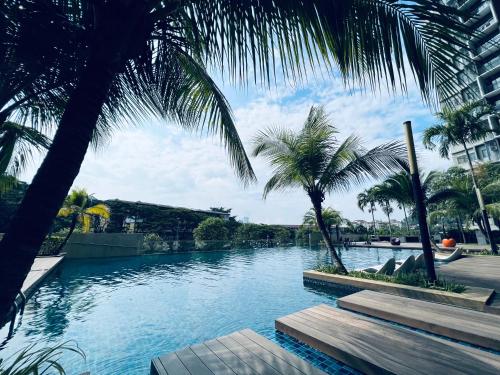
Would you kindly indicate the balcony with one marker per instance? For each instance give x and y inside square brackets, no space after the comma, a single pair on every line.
[488,68]
[463,4]
[492,89]
[488,47]
[477,13]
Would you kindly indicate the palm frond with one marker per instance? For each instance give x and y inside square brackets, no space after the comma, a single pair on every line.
[100,209]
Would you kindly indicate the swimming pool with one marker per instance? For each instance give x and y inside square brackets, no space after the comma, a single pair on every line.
[124,311]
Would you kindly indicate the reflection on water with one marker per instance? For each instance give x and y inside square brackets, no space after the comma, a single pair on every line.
[124,311]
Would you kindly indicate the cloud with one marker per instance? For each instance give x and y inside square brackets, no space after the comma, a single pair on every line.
[164,164]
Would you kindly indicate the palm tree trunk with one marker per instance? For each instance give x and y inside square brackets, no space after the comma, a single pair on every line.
[71,229]
[484,214]
[373,220]
[461,229]
[389,222]
[326,236]
[406,219]
[54,178]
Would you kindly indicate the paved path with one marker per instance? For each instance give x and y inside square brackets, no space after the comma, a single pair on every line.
[240,353]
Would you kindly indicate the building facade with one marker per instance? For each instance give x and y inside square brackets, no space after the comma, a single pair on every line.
[480,78]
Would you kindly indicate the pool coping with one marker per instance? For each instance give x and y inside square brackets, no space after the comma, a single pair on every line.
[472,298]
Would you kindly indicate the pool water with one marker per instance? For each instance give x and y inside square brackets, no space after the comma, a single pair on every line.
[124,311]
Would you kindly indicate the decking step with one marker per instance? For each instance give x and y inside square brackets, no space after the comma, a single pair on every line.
[470,326]
[376,347]
[240,353]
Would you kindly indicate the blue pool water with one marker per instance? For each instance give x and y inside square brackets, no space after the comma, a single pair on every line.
[124,311]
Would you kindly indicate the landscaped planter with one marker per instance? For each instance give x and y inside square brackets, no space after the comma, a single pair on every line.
[472,298]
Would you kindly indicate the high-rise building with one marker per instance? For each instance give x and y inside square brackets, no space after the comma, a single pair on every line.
[481,77]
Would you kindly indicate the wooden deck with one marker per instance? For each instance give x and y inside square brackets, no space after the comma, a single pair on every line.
[375,347]
[240,353]
[474,327]
[480,271]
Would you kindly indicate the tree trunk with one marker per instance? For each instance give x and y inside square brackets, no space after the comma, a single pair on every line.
[389,222]
[71,229]
[406,220]
[54,178]
[484,214]
[326,236]
[373,220]
[461,229]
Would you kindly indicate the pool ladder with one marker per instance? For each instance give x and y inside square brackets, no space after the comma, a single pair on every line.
[15,309]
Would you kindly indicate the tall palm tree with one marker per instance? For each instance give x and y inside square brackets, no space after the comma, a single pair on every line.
[462,126]
[135,59]
[385,204]
[367,199]
[78,206]
[314,160]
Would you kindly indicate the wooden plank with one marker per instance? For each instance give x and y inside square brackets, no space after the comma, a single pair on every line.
[193,363]
[375,347]
[252,360]
[214,363]
[470,326]
[229,358]
[282,354]
[240,353]
[173,365]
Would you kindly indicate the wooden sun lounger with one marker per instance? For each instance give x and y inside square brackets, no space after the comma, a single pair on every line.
[470,326]
[446,258]
[376,347]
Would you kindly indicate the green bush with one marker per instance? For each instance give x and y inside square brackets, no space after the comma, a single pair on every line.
[50,245]
[152,242]
[211,234]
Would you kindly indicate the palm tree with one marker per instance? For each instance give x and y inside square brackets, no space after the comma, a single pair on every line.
[461,126]
[77,206]
[330,216]
[314,160]
[367,199]
[385,204]
[17,143]
[135,59]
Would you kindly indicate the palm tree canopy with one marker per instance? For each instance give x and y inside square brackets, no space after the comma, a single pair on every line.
[77,205]
[316,161]
[17,143]
[330,217]
[366,199]
[466,124]
[164,47]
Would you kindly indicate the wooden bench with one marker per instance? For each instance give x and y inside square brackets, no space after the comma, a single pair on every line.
[241,353]
[376,347]
[470,326]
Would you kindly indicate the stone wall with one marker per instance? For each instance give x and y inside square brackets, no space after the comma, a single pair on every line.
[99,245]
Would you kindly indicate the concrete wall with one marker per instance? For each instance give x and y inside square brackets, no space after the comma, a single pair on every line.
[99,245]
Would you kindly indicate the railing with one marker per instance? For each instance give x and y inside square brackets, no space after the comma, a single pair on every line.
[488,44]
[492,86]
[493,63]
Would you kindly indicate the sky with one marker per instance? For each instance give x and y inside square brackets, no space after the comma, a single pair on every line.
[160,162]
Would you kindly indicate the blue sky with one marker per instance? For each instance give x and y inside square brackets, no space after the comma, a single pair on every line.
[162,163]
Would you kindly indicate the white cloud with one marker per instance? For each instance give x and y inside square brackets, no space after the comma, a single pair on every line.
[166,165]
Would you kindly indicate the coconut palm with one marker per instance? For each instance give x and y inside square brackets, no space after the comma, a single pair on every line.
[17,143]
[314,160]
[330,216]
[137,59]
[459,127]
[78,206]
[366,199]
[385,204]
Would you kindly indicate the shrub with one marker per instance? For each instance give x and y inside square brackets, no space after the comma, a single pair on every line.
[152,242]
[211,234]
[413,279]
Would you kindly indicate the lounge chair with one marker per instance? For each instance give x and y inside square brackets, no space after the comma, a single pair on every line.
[446,258]
[406,267]
[420,262]
[382,269]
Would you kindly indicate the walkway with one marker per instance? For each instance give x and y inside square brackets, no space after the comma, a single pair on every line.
[240,353]
[376,347]
[41,267]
